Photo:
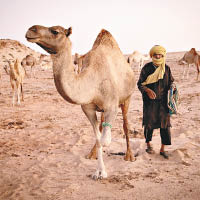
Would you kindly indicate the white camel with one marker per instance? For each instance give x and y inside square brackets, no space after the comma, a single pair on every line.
[107,82]
[189,58]
[137,57]
[17,74]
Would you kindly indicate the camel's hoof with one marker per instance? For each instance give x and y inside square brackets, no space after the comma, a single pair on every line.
[91,156]
[94,177]
[99,175]
[129,157]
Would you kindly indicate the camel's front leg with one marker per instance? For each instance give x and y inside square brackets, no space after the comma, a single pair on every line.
[184,69]
[93,152]
[140,65]
[101,170]
[18,93]
[105,140]
[90,112]
[188,71]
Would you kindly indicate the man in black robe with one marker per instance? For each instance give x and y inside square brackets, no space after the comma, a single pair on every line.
[154,82]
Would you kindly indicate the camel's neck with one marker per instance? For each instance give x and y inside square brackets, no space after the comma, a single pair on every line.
[13,73]
[62,64]
[67,83]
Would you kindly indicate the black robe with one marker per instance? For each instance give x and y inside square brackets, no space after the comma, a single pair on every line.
[155,111]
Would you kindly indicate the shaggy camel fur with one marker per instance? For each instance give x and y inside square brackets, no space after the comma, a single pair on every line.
[107,82]
[17,74]
[190,57]
[137,57]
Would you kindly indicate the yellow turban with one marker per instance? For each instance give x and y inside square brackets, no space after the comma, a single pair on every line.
[160,70]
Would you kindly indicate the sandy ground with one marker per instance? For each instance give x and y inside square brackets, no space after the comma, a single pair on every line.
[43,144]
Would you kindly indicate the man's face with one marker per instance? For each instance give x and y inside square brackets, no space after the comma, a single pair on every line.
[157,56]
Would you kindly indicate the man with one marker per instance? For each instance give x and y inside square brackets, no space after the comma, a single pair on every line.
[154,82]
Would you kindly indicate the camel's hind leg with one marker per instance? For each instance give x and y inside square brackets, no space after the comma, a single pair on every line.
[18,93]
[124,108]
[13,93]
[90,112]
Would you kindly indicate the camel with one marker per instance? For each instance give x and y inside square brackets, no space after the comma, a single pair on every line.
[80,62]
[17,74]
[44,61]
[107,82]
[190,57]
[137,57]
[29,60]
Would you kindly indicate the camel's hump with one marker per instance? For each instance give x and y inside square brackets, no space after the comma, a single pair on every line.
[105,38]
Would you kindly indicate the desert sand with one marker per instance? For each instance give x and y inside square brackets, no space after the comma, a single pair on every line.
[44,142]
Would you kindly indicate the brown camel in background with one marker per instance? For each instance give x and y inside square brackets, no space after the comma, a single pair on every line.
[190,57]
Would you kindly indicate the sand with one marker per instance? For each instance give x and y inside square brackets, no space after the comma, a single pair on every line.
[44,141]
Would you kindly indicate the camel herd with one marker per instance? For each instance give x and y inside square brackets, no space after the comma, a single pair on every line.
[104,68]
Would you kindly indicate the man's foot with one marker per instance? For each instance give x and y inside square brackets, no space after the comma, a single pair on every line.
[164,155]
[150,150]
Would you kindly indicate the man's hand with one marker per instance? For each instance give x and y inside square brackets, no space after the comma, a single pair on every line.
[151,94]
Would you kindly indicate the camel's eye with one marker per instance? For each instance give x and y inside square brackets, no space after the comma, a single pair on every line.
[54,32]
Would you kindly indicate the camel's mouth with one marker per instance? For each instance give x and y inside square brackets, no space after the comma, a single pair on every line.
[31,39]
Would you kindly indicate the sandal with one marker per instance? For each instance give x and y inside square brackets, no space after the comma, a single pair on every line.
[150,150]
[164,155]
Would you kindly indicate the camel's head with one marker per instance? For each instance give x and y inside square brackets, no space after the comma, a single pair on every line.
[181,61]
[51,39]
[193,51]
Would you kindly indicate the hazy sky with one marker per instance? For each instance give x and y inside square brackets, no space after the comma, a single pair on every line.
[135,24]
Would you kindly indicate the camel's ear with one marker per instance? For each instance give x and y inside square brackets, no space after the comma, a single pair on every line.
[68,31]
